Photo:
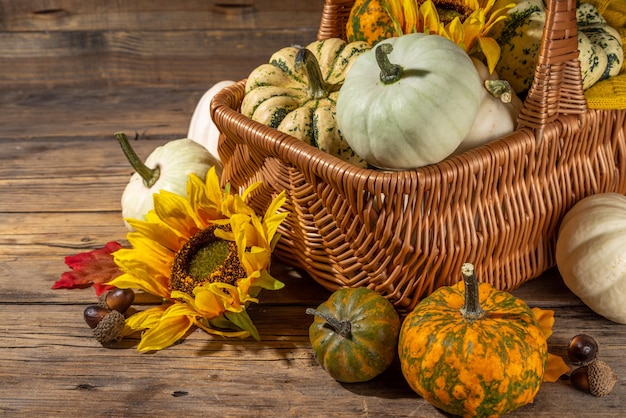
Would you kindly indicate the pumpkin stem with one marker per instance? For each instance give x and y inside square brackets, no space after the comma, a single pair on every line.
[471,309]
[500,89]
[389,73]
[343,327]
[149,175]
[318,87]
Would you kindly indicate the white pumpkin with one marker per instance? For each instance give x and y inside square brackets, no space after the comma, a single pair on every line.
[591,253]
[168,167]
[202,129]
[409,102]
[497,115]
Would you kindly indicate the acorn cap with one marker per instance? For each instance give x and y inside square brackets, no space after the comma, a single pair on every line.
[109,329]
[601,378]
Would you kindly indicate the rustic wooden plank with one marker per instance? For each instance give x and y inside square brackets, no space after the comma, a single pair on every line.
[162,42]
[76,375]
[166,58]
[88,113]
[156,15]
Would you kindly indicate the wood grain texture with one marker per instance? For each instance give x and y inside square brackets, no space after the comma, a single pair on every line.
[72,73]
[167,43]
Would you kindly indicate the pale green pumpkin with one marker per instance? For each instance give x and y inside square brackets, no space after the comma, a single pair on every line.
[417,116]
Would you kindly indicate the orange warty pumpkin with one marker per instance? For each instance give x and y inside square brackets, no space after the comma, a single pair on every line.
[473,350]
[369,22]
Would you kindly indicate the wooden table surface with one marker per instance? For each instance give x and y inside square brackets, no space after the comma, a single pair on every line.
[71,76]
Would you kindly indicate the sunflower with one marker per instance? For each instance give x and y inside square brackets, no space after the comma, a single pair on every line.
[206,256]
[465,22]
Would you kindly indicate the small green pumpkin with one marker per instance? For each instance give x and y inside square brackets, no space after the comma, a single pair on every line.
[296,93]
[473,350]
[354,334]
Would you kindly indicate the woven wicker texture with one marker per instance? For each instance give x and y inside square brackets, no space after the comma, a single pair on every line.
[406,233]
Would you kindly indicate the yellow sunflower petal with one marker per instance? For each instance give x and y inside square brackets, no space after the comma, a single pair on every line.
[273,218]
[491,50]
[556,365]
[213,191]
[209,303]
[246,193]
[167,238]
[144,264]
[394,11]
[200,203]
[146,319]
[155,285]
[172,326]
[457,33]
[176,212]
[430,17]
[255,259]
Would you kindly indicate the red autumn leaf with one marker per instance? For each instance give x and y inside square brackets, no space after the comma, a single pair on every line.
[91,268]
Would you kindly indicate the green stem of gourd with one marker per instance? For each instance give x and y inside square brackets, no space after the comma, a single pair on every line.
[500,89]
[389,73]
[318,87]
[471,309]
[343,327]
[149,175]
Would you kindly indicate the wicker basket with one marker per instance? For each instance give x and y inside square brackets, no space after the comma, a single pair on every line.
[407,233]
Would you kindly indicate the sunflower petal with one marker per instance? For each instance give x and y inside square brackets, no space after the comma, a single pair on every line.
[172,326]
[457,33]
[144,282]
[145,319]
[430,17]
[491,49]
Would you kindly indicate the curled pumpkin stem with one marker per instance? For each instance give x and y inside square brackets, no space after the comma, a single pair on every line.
[389,73]
[343,327]
[500,89]
[318,87]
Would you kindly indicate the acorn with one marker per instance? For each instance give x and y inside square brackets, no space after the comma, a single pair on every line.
[580,378]
[597,378]
[582,349]
[107,324]
[117,299]
[94,314]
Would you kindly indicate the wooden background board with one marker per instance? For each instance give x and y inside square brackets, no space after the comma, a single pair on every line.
[73,72]
[146,42]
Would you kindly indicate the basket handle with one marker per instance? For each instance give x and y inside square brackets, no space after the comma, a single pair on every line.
[335,15]
[557,87]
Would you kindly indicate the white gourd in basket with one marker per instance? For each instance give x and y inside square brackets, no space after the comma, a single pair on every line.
[202,129]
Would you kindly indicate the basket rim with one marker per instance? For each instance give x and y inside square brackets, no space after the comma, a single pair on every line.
[225,107]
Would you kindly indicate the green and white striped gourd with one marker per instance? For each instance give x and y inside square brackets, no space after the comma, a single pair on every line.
[296,93]
[606,38]
[601,54]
